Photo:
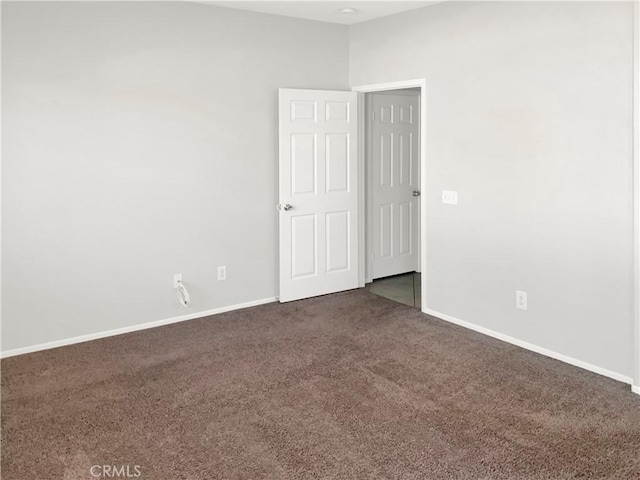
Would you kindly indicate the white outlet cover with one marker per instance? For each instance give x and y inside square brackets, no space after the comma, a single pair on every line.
[449,197]
[222,272]
[177,278]
[521,300]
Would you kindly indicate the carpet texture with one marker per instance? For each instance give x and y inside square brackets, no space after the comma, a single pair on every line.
[345,386]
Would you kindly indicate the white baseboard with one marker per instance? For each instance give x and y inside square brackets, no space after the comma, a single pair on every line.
[534,348]
[133,328]
[215,311]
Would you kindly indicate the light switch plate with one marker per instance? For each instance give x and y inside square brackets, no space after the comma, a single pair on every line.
[449,197]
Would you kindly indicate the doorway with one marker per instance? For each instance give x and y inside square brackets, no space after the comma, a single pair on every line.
[393,158]
[392,191]
[322,206]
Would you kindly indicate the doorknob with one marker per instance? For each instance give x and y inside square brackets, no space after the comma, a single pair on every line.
[287,207]
[416,193]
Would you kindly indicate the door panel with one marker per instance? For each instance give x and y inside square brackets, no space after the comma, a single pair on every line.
[318,180]
[386,160]
[337,241]
[406,228]
[304,251]
[395,168]
[386,246]
[303,163]
[337,162]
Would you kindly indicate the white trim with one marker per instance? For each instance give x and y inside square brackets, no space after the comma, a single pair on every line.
[534,348]
[368,191]
[1,185]
[422,84]
[636,190]
[133,328]
[635,389]
[362,256]
[376,87]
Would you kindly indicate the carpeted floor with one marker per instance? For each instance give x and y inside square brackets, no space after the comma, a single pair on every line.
[347,386]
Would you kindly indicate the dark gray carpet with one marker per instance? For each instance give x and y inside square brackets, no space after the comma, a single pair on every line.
[349,386]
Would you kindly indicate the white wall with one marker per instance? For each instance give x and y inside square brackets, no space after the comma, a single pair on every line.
[140,140]
[529,118]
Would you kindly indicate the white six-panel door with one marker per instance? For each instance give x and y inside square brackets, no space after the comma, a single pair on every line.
[394,162]
[318,192]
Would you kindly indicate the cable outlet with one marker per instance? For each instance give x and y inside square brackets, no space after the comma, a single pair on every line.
[521,300]
[177,278]
[222,273]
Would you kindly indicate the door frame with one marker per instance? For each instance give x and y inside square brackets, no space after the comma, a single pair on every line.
[379,87]
[636,193]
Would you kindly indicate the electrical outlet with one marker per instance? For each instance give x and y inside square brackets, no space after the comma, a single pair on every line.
[177,278]
[449,197]
[521,300]
[222,273]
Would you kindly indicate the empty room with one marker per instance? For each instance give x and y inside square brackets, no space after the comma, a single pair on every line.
[320,239]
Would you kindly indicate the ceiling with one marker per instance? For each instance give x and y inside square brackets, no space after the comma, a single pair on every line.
[328,10]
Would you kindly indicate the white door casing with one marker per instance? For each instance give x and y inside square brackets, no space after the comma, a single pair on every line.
[394,200]
[318,192]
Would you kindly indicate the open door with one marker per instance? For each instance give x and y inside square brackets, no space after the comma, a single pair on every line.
[318,192]
[394,153]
